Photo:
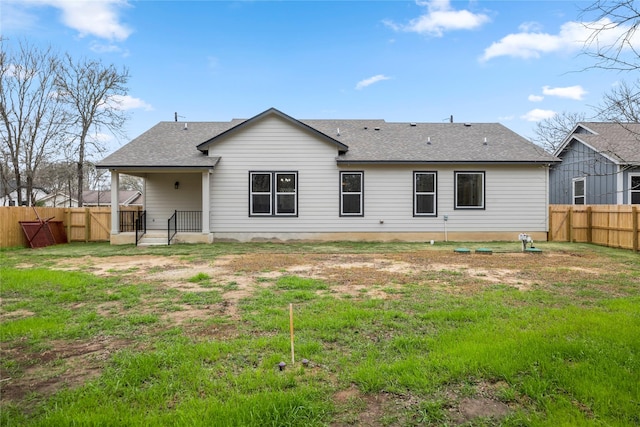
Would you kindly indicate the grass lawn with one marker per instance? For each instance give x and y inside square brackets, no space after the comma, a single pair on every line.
[391,334]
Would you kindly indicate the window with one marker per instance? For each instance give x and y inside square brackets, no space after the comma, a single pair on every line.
[351,193]
[579,185]
[469,190]
[634,189]
[424,193]
[273,193]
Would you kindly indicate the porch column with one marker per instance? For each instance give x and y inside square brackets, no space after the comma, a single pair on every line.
[206,199]
[115,218]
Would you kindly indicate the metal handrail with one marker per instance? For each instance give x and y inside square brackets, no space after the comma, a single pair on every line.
[174,219]
[141,226]
[185,221]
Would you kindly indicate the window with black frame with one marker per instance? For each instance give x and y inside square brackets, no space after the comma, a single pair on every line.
[273,193]
[469,190]
[424,193]
[351,193]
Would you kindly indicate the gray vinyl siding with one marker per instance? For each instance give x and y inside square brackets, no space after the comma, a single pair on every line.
[516,196]
[578,160]
[162,199]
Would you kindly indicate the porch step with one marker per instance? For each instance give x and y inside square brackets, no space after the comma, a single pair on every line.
[153,239]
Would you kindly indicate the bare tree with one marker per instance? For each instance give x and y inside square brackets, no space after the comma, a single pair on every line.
[552,131]
[130,182]
[613,41]
[621,104]
[93,92]
[32,114]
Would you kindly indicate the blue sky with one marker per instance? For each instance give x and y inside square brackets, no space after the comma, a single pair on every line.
[513,62]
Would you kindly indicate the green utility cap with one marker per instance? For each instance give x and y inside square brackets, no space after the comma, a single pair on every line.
[462,250]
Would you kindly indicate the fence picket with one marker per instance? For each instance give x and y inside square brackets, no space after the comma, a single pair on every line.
[81,224]
[607,225]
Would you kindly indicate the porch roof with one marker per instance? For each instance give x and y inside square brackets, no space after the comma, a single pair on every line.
[167,145]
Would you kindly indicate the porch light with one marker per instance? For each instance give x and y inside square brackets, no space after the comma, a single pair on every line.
[176,185]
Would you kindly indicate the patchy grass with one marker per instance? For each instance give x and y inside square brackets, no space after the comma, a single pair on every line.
[395,334]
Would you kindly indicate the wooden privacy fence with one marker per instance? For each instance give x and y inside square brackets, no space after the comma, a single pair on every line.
[91,224]
[615,226]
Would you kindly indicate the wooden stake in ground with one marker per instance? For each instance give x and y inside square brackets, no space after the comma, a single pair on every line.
[291,330]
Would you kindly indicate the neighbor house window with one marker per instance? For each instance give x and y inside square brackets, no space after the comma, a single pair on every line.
[424,193]
[469,190]
[273,193]
[579,187]
[351,193]
[634,188]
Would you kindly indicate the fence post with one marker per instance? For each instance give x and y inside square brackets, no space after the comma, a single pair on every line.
[634,212]
[87,225]
[589,225]
[550,225]
[570,224]
[67,213]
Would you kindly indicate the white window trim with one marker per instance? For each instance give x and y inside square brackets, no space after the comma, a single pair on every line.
[294,193]
[360,193]
[573,190]
[273,194]
[484,189]
[629,190]
[434,193]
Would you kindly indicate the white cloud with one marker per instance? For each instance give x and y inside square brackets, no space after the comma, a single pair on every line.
[441,17]
[108,48]
[127,102]
[100,18]
[537,115]
[570,92]
[531,42]
[535,98]
[371,80]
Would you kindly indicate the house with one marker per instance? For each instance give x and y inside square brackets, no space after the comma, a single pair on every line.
[274,177]
[10,194]
[103,198]
[600,165]
[58,199]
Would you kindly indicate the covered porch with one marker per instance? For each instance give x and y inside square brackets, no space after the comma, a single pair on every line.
[176,208]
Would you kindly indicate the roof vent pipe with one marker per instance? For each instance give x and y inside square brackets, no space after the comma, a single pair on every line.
[451,119]
[338,132]
[376,128]
[485,141]
[413,124]
[185,127]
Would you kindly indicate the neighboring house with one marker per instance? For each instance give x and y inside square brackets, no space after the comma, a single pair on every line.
[273,177]
[58,200]
[103,198]
[10,195]
[600,165]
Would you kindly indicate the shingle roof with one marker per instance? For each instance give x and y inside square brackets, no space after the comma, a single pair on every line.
[168,144]
[125,197]
[381,141]
[618,141]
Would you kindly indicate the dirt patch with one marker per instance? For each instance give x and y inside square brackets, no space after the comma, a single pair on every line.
[471,408]
[63,365]
[370,409]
